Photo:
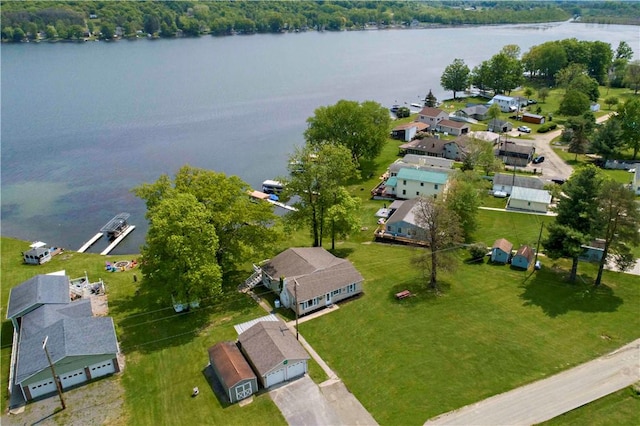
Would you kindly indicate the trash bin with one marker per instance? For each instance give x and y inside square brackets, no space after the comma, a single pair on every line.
[277,303]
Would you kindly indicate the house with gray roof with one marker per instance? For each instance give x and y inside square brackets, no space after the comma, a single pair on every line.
[310,278]
[504,182]
[82,347]
[528,199]
[402,222]
[432,116]
[273,352]
[514,154]
[474,112]
[499,126]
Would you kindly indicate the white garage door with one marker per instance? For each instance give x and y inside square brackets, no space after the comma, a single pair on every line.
[73,378]
[42,388]
[295,370]
[102,369]
[275,377]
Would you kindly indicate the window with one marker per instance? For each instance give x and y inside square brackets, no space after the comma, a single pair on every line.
[404,182]
[417,192]
[404,192]
[351,288]
[421,183]
[435,186]
[336,292]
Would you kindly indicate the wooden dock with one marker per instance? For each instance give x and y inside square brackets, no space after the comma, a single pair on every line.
[89,243]
[118,240]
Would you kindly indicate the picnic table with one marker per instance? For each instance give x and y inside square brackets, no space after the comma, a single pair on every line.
[403,294]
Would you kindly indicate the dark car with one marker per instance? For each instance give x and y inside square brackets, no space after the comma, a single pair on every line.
[538,160]
[558,181]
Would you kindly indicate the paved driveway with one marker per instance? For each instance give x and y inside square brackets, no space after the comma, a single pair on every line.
[302,403]
[548,398]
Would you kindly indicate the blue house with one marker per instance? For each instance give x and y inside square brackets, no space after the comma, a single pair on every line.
[501,251]
[523,257]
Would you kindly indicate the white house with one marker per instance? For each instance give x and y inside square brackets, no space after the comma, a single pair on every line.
[534,200]
[451,127]
[504,182]
[506,103]
[432,116]
[310,278]
[411,183]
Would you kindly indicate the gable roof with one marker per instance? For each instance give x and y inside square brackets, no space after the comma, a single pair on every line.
[36,291]
[419,125]
[404,213]
[298,261]
[474,110]
[526,252]
[324,281]
[536,116]
[431,112]
[520,181]
[68,337]
[230,363]
[423,175]
[484,135]
[269,344]
[429,145]
[425,160]
[453,124]
[503,245]
[512,147]
[503,98]
[531,195]
[48,315]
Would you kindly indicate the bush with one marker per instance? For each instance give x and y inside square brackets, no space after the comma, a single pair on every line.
[546,127]
[403,112]
[477,251]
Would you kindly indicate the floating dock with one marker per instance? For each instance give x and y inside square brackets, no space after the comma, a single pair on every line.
[117,241]
[91,242]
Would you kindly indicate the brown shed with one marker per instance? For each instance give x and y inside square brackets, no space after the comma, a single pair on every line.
[532,118]
[233,371]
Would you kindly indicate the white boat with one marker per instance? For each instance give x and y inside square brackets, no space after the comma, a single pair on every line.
[272,186]
[416,105]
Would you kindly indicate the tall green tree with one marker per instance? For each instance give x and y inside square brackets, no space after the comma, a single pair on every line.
[244,228]
[607,140]
[441,232]
[629,118]
[455,77]
[576,212]
[316,175]
[574,103]
[632,76]
[581,129]
[506,73]
[463,199]
[343,217]
[430,100]
[360,127]
[179,253]
[618,217]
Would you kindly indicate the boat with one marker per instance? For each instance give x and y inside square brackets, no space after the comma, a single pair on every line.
[272,186]
[394,108]
[116,226]
[416,105]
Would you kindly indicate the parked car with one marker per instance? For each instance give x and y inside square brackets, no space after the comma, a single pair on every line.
[532,101]
[524,129]
[538,160]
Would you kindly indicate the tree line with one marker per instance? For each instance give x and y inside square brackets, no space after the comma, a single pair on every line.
[71,20]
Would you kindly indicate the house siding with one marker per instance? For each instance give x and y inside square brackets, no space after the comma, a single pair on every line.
[69,364]
[345,292]
[499,256]
[528,205]
[521,262]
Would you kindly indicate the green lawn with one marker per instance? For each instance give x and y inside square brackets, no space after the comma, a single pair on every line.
[493,329]
[165,352]
[618,409]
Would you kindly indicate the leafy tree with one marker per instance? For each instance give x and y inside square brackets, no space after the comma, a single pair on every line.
[180,249]
[480,154]
[566,75]
[455,77]
[403,112]
[343,216]
[430,100]
[462,198]
[611,101]
[360,127]
[242,226]
[624,51]
[477,251]
[618,217]
[18,34]
[607,140]
[576,210]
[581,129]
[440,230]
[543,94]
[587,85]
[481,76]
[316,175]
[574,103]
[632,76]
[107,31]
[151,24]
[511,50]
[506,73]
[528,91]
[600,57]
[629,118]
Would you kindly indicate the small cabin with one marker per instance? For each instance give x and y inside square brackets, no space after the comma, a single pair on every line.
[532,118]
[38,254]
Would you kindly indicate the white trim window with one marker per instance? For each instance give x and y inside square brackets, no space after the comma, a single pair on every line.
[351,288]
[336,292]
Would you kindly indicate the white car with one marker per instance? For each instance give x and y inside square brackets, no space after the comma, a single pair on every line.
[524,129]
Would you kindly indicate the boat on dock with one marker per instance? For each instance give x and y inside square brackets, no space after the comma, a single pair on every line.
[116,226]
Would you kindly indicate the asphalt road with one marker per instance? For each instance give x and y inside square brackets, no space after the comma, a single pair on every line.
[548,398]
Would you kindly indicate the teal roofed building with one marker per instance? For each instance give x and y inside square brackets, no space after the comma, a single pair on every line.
[410,183]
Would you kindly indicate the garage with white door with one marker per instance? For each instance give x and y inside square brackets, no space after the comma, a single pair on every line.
[73,378]
[43,387]
[273,352]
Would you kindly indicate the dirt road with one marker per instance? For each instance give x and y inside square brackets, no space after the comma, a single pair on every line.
[548,398]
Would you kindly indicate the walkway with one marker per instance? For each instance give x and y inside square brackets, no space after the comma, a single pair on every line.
[548,398]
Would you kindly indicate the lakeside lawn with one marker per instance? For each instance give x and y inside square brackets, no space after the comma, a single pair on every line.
[165,352]
[492,329]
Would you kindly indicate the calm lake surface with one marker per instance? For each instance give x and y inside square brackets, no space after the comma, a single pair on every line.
[82,124]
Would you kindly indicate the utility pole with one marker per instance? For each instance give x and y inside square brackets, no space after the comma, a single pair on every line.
[295,291]
[53,372]
[538,246]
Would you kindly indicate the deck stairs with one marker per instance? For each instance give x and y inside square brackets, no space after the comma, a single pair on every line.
[252,281]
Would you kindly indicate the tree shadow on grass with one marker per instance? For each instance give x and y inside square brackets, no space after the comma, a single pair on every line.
[342,252]
[555,296]
[147,322]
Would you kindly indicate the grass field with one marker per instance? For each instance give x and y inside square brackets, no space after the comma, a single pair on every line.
[493,329]
[618,409]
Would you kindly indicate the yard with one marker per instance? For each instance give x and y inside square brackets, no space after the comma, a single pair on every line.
[491,330]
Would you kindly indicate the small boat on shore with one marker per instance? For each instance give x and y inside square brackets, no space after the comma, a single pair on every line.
[272,187]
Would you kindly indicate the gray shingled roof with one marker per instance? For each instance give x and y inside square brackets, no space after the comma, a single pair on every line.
[520,181]
[67,337]
[47,315]
[404,213]
[269,344]
[295,262]
[532,195]
[39,290]
[325,281]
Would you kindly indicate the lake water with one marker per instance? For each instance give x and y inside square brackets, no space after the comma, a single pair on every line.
[84,123]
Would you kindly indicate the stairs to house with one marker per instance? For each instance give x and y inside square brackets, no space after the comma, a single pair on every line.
[252,281]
